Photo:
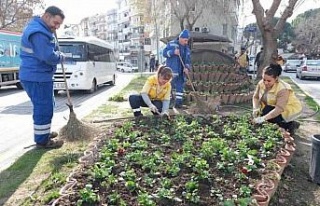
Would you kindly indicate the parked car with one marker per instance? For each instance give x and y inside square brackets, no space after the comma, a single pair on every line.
[291,65]
[309,68]
[126,67]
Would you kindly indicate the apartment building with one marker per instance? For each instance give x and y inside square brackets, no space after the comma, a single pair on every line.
[136,26]
[219,17]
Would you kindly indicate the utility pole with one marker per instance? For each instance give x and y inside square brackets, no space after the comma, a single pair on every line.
[156,27]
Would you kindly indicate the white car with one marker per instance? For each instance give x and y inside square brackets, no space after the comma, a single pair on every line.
[309,69]
[126,67]
[291,65]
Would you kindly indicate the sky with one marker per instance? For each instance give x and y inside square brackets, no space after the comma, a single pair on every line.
[75,10]
[300,8]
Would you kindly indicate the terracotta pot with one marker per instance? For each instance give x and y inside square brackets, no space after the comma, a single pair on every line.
[273,165]
[262,199]
[204,76]
[291,147]
[224,98]
[232,98]
[281,160]
[266,185]
[212,76]
[202,68]
[217,77]
[196,77]
[223,77]
[195,68]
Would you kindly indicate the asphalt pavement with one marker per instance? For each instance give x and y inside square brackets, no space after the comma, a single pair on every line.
[16,123]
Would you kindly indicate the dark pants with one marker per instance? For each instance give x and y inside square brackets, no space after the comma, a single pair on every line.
[278,119]
[41,96]
[151,68]
[136,101]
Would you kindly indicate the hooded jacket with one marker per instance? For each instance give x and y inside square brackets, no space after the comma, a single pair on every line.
[39,52]
[173,61]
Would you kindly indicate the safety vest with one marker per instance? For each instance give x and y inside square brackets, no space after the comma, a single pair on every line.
[157,92]
[242,60]
[293,108]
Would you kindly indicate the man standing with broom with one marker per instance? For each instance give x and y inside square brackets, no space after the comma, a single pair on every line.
[39,58]
[178,59]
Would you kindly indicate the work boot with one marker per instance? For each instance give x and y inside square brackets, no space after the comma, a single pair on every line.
[51,144]
[53,135]
[293,127]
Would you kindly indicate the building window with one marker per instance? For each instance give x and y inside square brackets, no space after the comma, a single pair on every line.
[147,41]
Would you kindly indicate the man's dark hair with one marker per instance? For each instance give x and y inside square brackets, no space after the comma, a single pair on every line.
[53,10]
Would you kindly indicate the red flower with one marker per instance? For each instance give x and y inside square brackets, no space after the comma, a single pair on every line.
[244,170]
[121,151]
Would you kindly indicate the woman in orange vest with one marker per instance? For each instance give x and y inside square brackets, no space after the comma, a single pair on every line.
[155,93]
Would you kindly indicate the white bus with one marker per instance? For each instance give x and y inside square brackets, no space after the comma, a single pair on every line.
[89,63]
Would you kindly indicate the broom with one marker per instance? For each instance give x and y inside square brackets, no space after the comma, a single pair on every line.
[203,106]
[74,129]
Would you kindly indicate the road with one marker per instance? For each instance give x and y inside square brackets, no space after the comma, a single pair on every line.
[16,123]
[311,87]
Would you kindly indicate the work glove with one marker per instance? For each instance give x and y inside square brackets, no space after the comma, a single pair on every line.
[165,113]
[153,108]
[256,113]
[62,56]
[259,120]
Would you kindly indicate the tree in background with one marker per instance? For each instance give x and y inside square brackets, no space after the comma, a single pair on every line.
[14,14]
[284,37]
[270,31]
[307,30]
[188,12]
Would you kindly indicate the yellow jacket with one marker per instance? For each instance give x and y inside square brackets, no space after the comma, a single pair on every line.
[242,60]
[293,107]
[155,91]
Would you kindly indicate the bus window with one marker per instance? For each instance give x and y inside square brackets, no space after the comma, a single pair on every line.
[100,54]
[75,52]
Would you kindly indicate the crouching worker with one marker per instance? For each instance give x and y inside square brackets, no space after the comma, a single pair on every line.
[274,100]
[155,93]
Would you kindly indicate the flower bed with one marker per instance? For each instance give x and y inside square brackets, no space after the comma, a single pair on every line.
[183,161]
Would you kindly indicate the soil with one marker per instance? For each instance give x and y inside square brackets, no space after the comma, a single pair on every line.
[150,154]
[295,187]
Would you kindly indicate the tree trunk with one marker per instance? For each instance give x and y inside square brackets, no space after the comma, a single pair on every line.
[269,51]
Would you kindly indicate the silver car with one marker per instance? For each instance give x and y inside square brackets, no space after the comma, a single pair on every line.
[309,69]
[291,65]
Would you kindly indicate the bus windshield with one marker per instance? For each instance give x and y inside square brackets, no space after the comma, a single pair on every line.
[73,51]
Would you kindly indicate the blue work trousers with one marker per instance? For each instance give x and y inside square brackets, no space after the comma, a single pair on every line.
[177,85]
[42,98]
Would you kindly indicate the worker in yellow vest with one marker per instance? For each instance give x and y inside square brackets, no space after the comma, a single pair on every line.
[243,60]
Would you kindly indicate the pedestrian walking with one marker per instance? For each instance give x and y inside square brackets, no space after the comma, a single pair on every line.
[155,93]
[152,63]
[39,58]
[258,60]
[178,54]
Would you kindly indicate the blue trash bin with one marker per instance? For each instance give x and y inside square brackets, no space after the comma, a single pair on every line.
[314,169]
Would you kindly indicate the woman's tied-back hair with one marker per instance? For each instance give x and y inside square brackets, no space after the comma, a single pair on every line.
[273,70]
[165,72]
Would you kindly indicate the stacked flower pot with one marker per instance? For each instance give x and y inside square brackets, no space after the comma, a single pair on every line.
[220,82]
